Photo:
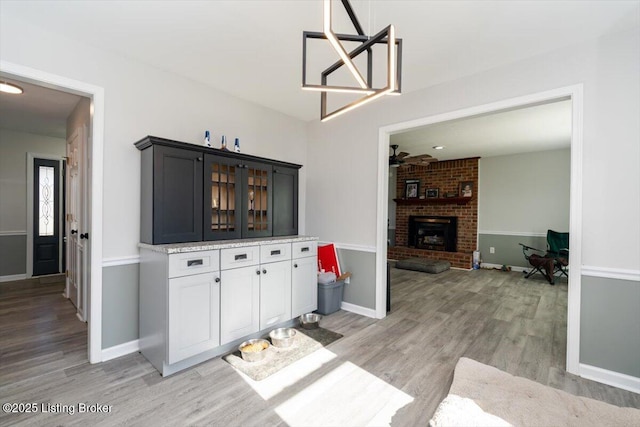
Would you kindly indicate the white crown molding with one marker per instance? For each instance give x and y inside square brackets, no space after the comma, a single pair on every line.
[127,260]
[611,273]
[605,376]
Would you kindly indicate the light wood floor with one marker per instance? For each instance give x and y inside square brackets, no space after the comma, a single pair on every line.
[496,318]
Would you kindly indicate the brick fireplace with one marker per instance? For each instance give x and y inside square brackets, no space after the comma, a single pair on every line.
[446,176]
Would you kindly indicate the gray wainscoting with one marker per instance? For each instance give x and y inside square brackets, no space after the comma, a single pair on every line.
[120,290]
[610,324]
[507,249]
[361,290]
[13,255]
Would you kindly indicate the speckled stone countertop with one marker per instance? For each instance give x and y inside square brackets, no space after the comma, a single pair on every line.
[176,248]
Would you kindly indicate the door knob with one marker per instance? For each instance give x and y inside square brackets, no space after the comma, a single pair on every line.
[84,236]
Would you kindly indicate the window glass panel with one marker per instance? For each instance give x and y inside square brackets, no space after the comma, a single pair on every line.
[46,200]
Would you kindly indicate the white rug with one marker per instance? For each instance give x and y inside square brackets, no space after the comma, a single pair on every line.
[482,395]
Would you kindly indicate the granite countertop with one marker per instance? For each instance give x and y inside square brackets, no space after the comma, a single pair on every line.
[176,248]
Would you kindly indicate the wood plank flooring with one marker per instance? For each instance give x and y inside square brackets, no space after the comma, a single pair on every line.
[498,318]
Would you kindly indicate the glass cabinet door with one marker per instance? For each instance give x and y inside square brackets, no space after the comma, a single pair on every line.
[222,200]
[257,200]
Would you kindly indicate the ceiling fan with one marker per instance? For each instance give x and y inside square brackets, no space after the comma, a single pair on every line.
[403,159]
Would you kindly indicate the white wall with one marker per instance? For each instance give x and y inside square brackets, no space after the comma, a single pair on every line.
[524,193]
[608,67]
[14,147]
[140,101]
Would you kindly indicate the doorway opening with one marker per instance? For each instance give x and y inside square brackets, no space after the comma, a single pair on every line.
[94,179]
[575,95]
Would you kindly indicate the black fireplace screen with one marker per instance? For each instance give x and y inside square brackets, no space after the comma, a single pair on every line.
[436,233]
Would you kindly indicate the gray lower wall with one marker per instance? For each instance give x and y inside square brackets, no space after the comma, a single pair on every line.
[120,290]
[13,255]
[507,248]
[361,290]
[610,324]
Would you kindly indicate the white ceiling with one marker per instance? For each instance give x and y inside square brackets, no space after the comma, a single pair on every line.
[38,110]
[523,130]
[252,49]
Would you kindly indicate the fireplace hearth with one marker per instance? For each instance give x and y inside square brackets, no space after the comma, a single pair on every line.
[436,233]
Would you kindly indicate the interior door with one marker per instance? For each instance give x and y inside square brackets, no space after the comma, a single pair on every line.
[77,233]
[46,217]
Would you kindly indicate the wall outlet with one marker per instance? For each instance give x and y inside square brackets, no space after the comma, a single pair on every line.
[492,250]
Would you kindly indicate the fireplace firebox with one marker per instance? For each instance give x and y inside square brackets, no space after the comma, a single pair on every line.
[436,233]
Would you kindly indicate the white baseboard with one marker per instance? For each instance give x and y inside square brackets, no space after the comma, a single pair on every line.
[13,277]
[615,379]
[120,350]
[363,311]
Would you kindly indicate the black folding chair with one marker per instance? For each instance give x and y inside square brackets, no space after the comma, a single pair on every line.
[555,259]
[539,263]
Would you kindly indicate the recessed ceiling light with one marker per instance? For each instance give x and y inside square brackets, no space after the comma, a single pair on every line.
[437,147]
[10,88]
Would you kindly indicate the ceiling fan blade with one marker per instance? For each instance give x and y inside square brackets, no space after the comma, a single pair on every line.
[419,157]
[402,155]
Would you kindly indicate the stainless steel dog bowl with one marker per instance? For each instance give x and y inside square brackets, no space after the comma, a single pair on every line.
[310,320]
[282,337]
[254,356]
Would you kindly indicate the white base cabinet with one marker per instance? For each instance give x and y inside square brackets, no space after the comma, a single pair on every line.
[179,306]
[194,315]
[304,278]
[240,303]
[198,304]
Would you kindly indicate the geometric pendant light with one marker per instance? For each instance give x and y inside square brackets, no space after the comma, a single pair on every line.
[361,84]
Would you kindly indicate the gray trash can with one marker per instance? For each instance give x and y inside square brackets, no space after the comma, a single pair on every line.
[330,297]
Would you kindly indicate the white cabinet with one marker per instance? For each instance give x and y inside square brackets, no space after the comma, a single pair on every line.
[179,306]
[194,315]
[197,304]
[275,284]
[304,278]
[239,293]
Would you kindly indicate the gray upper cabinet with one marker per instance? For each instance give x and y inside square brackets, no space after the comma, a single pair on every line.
[193,193]
[285,201]
[171,195]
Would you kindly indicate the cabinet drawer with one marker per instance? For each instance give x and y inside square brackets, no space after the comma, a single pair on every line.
[275,252]
[239,257]
[193,263]
[304,249]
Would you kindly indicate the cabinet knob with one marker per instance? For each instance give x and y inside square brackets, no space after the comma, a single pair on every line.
[84,236]
[199,159]
[74,231]
[295,265]
[217,280]
[264,271]
[258,272]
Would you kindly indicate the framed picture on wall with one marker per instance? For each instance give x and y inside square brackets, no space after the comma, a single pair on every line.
[411,188]
[466,189]
[432,193]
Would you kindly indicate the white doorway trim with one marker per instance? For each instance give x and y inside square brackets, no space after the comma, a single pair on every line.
[60,201]
[575,93]
[96,142]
